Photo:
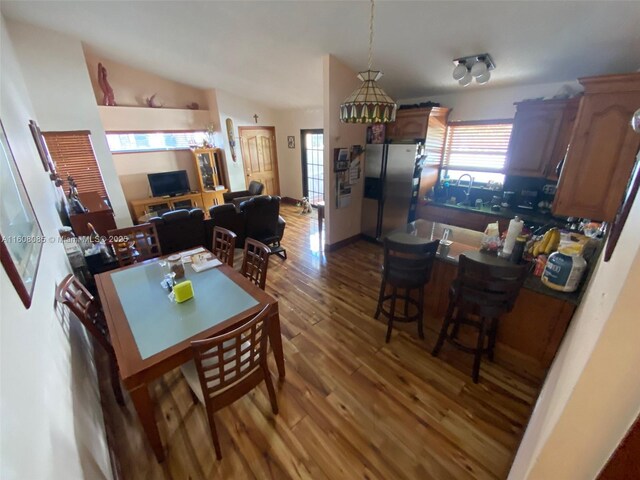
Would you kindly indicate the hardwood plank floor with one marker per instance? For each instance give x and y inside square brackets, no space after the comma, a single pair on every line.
[351,406]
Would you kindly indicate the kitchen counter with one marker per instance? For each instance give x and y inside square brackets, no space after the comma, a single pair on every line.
[465,240]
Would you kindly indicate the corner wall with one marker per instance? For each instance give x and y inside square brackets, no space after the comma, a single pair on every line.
[56,76]
[339,82]
[591,395]
[52,425]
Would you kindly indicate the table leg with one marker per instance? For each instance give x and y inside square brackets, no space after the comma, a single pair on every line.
[145,408]
[275,339]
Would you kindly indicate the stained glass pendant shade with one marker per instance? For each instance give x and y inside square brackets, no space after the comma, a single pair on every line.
[368,103]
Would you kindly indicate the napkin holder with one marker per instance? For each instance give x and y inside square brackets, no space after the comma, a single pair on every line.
[183,291]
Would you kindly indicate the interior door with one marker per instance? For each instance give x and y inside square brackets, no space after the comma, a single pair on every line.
[259,157]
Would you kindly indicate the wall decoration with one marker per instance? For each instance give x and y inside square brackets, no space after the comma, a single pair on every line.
[255,117]
[291,142]
[375,133]
[40,145]
[154,102]
[108,97]
[347,169]
[232,142]
[21,236]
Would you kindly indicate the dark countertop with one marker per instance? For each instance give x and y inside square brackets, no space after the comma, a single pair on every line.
[526,216]
[465,240]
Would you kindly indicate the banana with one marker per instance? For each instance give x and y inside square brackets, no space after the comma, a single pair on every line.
[554,241]
[542,245]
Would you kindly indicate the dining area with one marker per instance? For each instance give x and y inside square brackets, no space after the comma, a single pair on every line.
[190,312]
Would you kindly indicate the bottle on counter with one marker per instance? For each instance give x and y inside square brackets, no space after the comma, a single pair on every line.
[515,228]
[518,249]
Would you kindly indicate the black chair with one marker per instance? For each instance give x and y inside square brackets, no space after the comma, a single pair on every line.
[180,230]
[255,189]
[263,222]
[406,267]
[487,290]
[229,217]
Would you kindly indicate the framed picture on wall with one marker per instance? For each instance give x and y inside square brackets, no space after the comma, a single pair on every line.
[40,145]
[340,159]
[21,238]
[291,142]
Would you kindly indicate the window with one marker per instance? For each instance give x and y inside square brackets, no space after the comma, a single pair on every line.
[72,154]
[312,165]
[477,148]
[150,141]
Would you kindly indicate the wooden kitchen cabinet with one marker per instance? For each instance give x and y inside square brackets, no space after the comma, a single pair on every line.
[533,143]
[564,137]
[603,149]
[410,125]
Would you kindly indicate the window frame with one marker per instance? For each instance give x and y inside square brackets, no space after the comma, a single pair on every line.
[151,150]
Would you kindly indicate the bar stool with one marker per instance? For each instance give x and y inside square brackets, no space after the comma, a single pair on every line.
[486,287]
[407,266]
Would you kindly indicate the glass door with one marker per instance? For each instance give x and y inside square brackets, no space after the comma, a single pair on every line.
[313,165]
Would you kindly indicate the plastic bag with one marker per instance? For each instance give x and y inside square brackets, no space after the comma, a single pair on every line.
[491,239]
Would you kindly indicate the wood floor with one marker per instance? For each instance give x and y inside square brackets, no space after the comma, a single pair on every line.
[351,406]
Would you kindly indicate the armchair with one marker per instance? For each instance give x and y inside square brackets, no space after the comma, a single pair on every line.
[180,230]
[264,223]
[255,189]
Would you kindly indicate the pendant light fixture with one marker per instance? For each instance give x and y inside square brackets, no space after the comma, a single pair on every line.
[368,103]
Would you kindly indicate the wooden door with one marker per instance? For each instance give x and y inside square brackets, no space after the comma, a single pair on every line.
[603,149]
[259,157]
[533,138]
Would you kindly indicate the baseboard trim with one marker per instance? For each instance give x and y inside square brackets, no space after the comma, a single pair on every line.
[290,200]
[342,243]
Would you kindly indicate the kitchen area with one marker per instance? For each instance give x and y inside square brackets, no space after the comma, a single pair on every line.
[551,205]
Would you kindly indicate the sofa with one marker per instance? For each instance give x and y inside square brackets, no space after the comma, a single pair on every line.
[255,189]
[258,218]
[181,230]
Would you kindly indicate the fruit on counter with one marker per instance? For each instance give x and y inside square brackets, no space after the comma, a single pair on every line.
[548,244]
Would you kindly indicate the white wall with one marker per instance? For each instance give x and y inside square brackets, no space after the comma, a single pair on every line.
[56,75]
[52,425]
[289,123]
[339,82]
[591,396]
[491,103]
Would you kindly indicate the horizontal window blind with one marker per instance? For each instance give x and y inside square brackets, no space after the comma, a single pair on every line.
[72,153]
[478,146]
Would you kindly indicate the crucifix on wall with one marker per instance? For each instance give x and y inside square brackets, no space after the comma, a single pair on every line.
[255,117]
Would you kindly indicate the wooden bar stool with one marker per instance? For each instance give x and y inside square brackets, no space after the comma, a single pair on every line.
[486,287]
[407,266]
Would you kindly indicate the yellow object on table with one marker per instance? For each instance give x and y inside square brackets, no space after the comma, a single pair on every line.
[183,291]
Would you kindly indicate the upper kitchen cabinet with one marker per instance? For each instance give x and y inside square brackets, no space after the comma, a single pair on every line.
[603,149]
[533,145]
[411,125]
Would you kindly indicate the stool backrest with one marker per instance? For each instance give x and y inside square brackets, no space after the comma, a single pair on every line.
[488,290]
[408,265]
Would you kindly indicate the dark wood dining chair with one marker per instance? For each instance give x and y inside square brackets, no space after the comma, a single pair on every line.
[135,244]
[228,366]
[255,262]
[86,308]
[486,291]
[406,267]
[224,245]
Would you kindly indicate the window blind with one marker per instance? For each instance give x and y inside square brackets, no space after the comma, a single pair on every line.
[72,153]
[477,146]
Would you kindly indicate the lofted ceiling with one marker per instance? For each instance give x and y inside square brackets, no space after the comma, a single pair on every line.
[271,51]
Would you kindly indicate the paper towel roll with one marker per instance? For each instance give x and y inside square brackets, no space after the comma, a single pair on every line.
[515,228]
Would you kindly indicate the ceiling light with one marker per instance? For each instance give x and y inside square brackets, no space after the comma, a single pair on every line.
[368,103]
[478,66]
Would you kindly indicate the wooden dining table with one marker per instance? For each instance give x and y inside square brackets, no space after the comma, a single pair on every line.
[151,335]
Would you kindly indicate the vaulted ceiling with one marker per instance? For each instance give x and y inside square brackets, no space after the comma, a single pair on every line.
[271,50]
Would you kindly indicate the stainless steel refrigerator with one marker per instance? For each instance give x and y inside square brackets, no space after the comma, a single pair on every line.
[391,182]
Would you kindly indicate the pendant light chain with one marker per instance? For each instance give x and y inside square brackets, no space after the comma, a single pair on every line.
[371,35]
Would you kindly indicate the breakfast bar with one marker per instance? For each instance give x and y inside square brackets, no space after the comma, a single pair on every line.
[530,334]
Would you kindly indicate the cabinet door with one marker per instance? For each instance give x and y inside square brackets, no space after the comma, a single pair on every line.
[533,138]
[600,158]
[409,125]
[564,137]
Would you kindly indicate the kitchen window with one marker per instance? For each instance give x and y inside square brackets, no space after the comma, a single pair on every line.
[477,148]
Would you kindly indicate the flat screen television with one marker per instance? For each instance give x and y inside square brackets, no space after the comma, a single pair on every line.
[169,183]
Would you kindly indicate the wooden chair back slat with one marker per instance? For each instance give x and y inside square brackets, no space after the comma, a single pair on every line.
[255,262]
[140,243]
[224,245]
[408,265]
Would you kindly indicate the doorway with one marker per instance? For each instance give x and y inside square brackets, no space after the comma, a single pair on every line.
[312,142]
[259,157]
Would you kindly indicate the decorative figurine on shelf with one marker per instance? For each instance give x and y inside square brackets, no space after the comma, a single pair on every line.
[306,206]
[153,102]
[193,106]
[108,98]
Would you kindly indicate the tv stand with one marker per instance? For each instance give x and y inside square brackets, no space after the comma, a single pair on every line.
[140,208]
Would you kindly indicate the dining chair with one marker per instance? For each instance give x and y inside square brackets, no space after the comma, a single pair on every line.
[224,245]
[255,262]
[406,267]
[86,308]
[226,367]
[485,291]
[139,243]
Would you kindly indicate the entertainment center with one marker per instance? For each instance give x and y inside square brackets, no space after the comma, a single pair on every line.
[171,189]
